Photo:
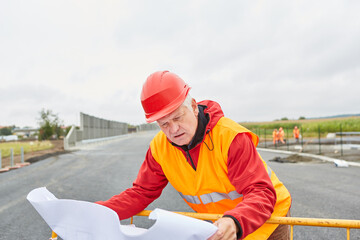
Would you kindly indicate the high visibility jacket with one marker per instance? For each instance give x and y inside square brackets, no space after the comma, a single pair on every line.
[281,134]
[208,189]
[296,133]
[275,135]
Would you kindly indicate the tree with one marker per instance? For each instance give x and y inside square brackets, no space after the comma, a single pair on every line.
[50,125]
[5,131]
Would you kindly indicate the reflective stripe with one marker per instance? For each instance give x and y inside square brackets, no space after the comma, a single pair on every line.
[234,195]
[190,199]
[215,196]
[210,197]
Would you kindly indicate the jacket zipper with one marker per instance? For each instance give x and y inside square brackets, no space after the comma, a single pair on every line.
[191,161]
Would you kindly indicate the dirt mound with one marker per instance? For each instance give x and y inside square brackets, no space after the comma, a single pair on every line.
[295,158]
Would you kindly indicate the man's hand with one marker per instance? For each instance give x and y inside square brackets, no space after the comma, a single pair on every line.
[227,229]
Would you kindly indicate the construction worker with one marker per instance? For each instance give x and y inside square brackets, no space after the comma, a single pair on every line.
[275,136]
[209,159]
[281,134]
[296,134]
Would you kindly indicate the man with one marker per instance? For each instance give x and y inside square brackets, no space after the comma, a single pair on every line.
[281,135]
[296,134]
[209,159]
[275,136]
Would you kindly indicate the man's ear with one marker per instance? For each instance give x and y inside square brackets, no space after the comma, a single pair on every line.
[195,107]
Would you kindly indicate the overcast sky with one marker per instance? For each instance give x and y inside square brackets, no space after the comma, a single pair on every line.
[261,60]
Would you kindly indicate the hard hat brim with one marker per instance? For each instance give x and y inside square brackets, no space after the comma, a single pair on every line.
[152,117]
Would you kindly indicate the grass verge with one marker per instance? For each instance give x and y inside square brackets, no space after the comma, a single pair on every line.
[29,147]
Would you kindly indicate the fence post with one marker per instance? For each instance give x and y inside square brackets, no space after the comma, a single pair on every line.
[22,154]
[265,136]
[259,131]
[302,137]
[319,140]
[287,138]
[341,143]
[12,157]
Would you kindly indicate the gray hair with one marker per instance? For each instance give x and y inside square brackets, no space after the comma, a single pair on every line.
[187,102]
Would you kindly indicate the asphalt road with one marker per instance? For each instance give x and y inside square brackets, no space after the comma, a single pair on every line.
[100,171]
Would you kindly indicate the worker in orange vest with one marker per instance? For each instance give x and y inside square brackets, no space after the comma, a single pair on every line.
[210,160]
[296,133]
[275,136]
[281,134]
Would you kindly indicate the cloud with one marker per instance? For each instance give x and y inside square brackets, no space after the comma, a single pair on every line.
[261,60]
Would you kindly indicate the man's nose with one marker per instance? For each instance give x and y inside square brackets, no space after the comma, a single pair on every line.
[174,127]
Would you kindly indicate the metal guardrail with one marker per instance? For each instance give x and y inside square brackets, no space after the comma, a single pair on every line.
[316,222]
[291,221]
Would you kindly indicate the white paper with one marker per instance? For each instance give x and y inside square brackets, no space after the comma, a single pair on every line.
[80,220]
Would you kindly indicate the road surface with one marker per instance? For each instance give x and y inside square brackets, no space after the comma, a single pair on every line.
[100,171]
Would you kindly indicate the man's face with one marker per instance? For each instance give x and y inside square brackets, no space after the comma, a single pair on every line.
[180,125]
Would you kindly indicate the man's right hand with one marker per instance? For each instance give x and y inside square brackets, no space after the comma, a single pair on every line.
[227,229]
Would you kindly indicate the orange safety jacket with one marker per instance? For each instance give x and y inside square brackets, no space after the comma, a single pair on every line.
[275,135]
[281,133]
[296,133]
[208,189]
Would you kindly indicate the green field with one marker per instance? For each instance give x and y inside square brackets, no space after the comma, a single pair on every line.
[308,127]
[28,147]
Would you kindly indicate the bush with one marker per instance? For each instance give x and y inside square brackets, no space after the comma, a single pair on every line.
[49,125]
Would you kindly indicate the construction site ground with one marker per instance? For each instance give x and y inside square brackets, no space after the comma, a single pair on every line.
[349,152]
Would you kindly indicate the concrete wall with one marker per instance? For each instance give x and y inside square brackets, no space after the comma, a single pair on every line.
[147,127]
[93,128]
[70,139]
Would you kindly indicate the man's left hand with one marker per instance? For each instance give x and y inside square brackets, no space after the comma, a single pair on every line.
[227,229]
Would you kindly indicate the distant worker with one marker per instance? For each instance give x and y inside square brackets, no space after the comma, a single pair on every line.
[296,133]
[281,134]
[210,160]
[275,136]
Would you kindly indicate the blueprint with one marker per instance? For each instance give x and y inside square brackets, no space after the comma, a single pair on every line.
[81,220]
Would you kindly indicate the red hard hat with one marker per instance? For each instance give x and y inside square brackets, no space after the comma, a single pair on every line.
[162,93]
